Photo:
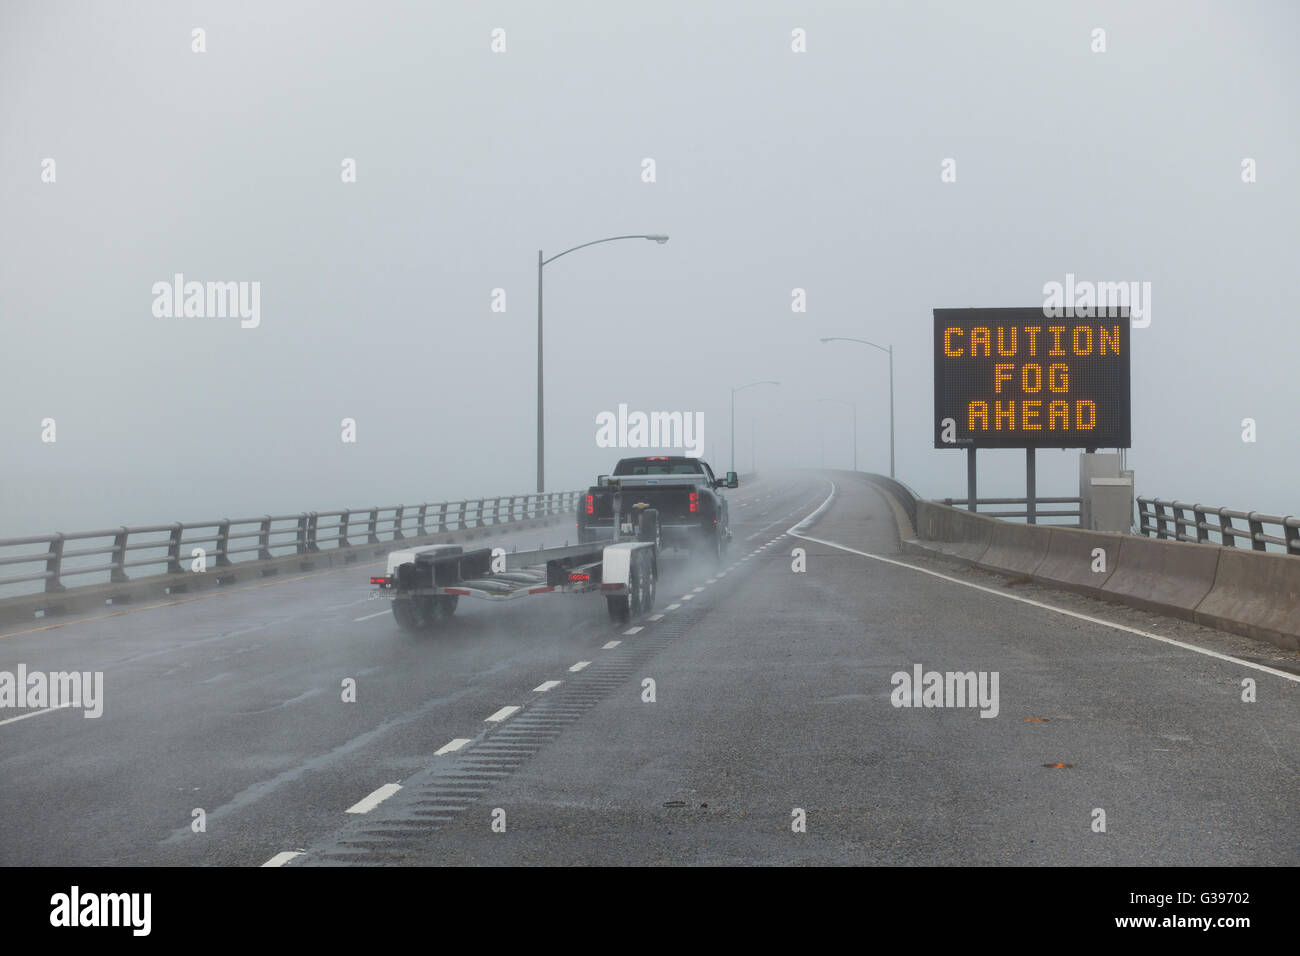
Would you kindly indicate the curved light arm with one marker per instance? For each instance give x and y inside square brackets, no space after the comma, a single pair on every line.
[657,238]
[841,338]
[737,388]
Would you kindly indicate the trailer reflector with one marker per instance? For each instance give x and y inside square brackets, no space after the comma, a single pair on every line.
[540,590]
[463,591]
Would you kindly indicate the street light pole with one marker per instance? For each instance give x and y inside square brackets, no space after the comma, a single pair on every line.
[734,390]
[541,436]
[890,351]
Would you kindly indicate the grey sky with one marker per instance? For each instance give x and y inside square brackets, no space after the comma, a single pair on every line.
[775,170]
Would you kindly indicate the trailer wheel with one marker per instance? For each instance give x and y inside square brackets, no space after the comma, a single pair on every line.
[447,604]
[645,592]
[408,614]
[619,611]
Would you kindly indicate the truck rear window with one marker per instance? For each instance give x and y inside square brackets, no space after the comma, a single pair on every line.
[640,466]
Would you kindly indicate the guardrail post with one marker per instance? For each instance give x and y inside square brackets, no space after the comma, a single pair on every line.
[264,540]
[1179,512]
[1229,540]
[1202,531]
[510,514]
[1291,528]
[54,564]
[1256,532]
[397,524]
[1162,520]
[419,521]
[442,517]
[343,529]
[312,517]
[478,523]
[496,512]
[223,543]
[372,533]
[300,544]
[174,549]
[118,573]
[460,517]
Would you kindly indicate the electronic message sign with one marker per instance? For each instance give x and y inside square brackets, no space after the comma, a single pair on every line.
[1020,378]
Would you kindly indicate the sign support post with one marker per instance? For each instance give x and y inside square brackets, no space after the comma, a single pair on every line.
[1031,482]
[970,479]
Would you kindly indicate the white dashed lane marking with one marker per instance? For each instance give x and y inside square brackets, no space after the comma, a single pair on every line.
[672,607]
[579,666]
[375,799]
[545,686]
[280,859]
[611,645]
[451,746]
[503,713]
[655,617]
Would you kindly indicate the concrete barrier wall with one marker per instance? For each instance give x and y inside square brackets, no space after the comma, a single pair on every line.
[1247,592]
[1015,548]
[1171,577]
[958,534]
[1257,594]
[1070,560]
[79,600]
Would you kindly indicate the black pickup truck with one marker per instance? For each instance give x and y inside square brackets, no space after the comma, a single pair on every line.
[692,510]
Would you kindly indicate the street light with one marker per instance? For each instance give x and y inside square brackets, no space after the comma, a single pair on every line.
[890,350]
[854,406]
[541,442]
[734,390]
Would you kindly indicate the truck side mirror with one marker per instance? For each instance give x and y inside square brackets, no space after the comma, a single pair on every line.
[732,480]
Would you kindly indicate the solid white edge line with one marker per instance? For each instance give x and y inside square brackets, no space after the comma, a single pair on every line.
[1077,615]
[451,746]
[366,804]
[35,713]
[579,666]
[369,616]
[546,685]
[283,857]
[502,714]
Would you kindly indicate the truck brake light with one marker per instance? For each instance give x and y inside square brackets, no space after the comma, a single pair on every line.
[591,504]
[579,576]
[695,501]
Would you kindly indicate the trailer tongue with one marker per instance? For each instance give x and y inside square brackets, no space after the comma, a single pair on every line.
[426,583]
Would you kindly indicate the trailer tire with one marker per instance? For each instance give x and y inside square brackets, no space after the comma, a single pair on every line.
[447,604]
[408,614]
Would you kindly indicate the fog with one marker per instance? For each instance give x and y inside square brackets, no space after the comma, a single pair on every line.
[774,170]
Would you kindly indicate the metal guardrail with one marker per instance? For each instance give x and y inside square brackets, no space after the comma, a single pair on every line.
[1076,514]
[1172,524]
[265,537]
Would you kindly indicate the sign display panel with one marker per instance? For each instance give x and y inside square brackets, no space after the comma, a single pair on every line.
[1019,378]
